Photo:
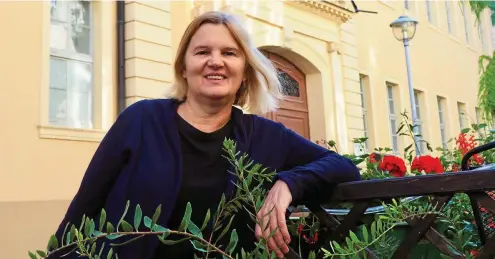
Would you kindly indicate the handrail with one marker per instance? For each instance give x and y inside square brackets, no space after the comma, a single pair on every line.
[472,152]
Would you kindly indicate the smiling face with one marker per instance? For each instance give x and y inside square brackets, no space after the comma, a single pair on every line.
[214,64]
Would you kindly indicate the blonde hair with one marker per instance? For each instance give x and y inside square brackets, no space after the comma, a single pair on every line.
[260,93]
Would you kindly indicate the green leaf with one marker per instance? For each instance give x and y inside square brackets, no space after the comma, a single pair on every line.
[110,228]
[172,242]
[354,237]
[194,229]
[365,234]
[91,228]
[103,218]
[68,238]
[156,215]
[41,253]
[110,253]
[113,236]
[233,242]
[123,215]
[199,246]
[147,222]
[32,255]
[126,226]
[187,217]
[53,242]
[86,227]
[138,214]
[93,248]
[207,218]
[226,229]
[158,228]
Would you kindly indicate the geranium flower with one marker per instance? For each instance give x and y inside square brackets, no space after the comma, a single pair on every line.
[428,164]
[394,165]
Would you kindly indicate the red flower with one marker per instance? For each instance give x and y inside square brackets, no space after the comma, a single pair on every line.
[464,144]
[394,165]
[474,252]
[372,158]
[300,228]
[428,164]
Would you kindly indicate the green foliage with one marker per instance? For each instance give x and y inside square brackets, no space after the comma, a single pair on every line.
[249,196]
[486,65]
[394,215]
[410,129]
[486,86]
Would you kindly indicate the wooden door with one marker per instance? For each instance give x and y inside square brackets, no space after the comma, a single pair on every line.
[293,110]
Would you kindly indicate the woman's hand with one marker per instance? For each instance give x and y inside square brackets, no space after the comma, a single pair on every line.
[273,213]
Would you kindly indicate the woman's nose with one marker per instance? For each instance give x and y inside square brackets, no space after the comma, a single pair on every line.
[215,60]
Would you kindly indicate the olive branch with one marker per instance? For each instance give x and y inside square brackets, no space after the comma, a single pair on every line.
[249,195]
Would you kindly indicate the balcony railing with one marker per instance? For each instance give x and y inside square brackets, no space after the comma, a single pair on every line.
[477,183]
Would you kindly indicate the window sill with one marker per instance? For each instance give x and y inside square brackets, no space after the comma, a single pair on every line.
[86,135]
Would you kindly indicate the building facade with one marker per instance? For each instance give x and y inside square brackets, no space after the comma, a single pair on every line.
[67,67]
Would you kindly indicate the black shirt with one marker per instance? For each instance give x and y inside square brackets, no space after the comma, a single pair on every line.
[204,179]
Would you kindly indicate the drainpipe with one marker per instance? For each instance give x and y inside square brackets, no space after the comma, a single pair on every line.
[120,56]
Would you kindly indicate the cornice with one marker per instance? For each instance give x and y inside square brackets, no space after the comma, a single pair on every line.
[333,9]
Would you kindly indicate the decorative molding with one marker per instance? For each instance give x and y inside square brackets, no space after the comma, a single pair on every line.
[334,9]
[87,135]
[288,36]
[333,47]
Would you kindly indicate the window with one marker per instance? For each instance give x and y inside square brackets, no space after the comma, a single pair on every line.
[461,110]
[429,11]
[465,13]
[419,128]
[441,117]
[482,37]
[71,64]
[406,4]
[449,22]
[392,118]
[363,88]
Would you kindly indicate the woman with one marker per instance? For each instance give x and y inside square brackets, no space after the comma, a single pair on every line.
[169,151]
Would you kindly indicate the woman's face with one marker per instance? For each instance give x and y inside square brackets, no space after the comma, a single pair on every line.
[214,64]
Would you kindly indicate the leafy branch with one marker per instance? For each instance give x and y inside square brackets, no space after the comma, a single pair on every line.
[394,215]
[249,195]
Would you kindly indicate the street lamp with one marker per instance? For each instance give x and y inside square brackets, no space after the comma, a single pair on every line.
[404,29]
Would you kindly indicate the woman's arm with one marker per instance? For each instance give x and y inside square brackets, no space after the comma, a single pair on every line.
[310,170]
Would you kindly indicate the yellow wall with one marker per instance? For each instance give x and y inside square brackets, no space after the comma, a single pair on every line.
[441,64]
[41,166]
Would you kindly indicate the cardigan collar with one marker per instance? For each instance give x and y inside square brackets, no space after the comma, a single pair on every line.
[242,136]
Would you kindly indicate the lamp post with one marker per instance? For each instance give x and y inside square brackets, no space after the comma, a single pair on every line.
[404,29]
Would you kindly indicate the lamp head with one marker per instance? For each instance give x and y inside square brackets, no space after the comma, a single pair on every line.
[404,28]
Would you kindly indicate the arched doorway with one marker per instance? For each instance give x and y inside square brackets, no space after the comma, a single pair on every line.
[293,110]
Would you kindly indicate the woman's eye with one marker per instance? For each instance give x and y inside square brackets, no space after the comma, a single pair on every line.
[230,53]
[203,52]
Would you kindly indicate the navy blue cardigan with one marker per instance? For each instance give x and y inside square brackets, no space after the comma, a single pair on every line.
[140,160]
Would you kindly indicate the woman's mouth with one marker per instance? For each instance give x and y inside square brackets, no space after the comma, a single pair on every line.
[215,77]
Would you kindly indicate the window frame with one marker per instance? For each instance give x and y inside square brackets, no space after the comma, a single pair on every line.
[429,12]
[465,14]
[419,120]
[75,57]
[104,81]
[392,118]
[448,14]
[364,108]
[481,34]
[441,121]
[461,112]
